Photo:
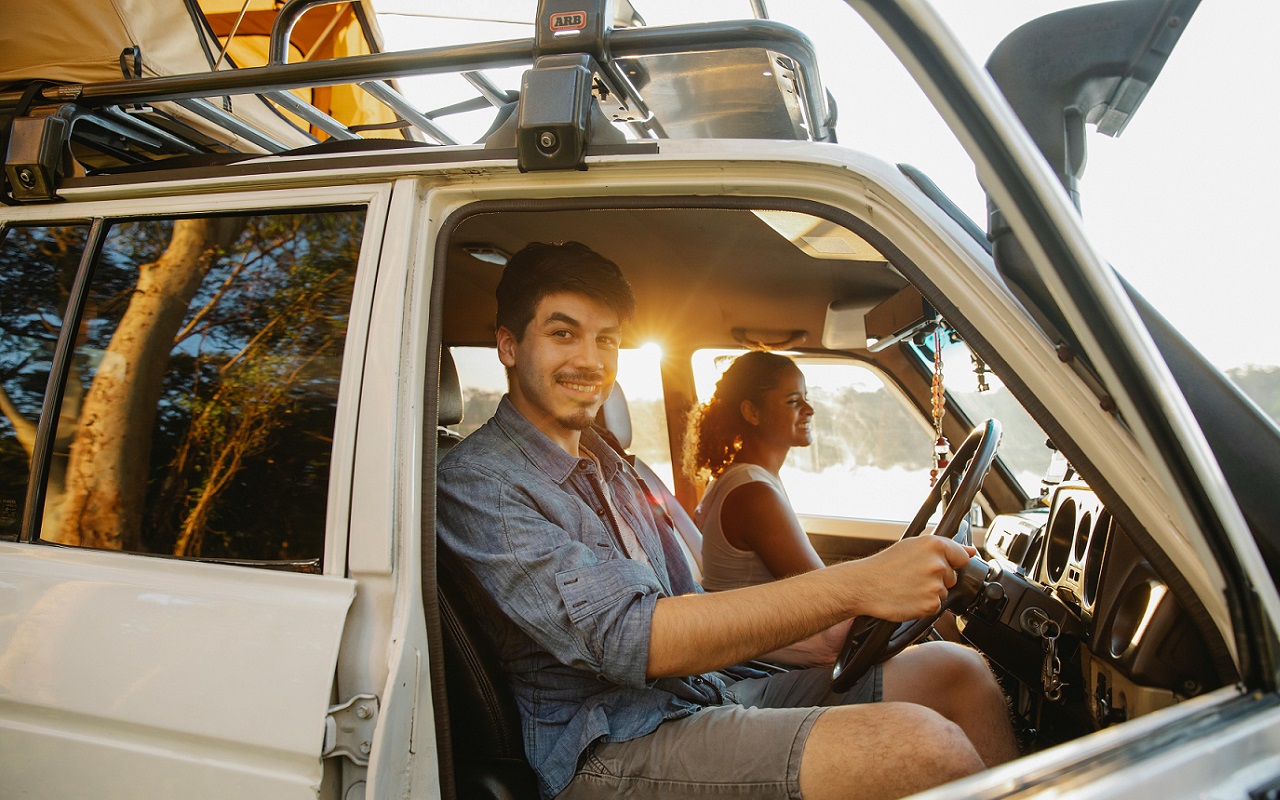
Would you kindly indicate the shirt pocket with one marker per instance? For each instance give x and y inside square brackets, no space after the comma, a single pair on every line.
[589,590]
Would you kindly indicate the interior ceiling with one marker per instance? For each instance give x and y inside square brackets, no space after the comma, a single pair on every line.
[697,273]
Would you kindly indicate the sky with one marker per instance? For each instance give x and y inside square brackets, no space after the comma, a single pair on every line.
[1181,203]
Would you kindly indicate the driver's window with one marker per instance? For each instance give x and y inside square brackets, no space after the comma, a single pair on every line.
[871,453]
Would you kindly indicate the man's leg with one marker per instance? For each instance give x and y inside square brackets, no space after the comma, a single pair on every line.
[956,682]
[884,750]
[861,748]
[873,751]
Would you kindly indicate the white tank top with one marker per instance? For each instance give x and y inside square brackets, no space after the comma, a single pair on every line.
[723,565]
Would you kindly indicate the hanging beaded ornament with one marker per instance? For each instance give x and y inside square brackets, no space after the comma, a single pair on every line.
[941,447]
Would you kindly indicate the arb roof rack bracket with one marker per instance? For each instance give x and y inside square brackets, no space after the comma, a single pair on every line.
[555,119]
[34,161]
[558,115]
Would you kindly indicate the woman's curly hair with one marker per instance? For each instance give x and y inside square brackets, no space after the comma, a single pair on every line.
[713,435]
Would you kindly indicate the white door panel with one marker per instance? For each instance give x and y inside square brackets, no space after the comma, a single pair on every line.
[129,676]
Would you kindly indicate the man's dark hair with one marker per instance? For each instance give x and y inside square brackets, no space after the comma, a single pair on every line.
[542,269]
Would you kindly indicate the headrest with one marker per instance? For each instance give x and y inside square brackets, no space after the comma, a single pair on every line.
[615,416]
[450,391]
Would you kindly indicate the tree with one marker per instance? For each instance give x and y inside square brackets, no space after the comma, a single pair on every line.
[205,378]
[107,466]
[1262,385]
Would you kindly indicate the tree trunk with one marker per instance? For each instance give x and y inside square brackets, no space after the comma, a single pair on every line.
[108,464]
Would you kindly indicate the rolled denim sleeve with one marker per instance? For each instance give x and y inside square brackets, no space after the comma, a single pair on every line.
[550,565]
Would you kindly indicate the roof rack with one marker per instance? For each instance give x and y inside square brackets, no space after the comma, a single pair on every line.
[751,79]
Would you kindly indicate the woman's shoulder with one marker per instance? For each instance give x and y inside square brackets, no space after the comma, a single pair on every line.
[743,472]
[735,477]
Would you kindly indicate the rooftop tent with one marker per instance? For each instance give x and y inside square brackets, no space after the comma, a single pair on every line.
[326,31]
[95,41]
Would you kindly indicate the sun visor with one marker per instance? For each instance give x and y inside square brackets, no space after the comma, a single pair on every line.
[857,324]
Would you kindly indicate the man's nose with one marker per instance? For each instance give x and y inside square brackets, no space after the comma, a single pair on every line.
[589,356]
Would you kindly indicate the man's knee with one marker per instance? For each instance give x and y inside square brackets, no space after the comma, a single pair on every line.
[969,672]
[948,667]
[885,749]
[937,744]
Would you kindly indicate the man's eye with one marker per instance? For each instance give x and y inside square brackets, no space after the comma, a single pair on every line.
[562,334]
[611,344]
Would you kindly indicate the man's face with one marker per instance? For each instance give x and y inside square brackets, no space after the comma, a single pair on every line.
[564,366]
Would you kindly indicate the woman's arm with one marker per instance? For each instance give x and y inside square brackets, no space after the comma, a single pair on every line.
[819,650]
[757,517]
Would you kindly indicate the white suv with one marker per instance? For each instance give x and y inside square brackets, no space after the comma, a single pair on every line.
[228,354]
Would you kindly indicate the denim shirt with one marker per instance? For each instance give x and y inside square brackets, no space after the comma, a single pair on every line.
[570,612]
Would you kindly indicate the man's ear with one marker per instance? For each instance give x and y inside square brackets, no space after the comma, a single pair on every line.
[506,347]
[749,412]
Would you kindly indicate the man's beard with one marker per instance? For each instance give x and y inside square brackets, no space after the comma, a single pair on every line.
[579,419]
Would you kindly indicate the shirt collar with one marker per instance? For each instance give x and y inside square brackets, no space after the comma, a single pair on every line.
[545,454]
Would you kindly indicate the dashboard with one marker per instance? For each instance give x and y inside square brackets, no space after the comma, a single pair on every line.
[1085,629]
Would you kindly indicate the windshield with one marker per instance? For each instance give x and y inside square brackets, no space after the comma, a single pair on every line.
[979,394]
[1183,165]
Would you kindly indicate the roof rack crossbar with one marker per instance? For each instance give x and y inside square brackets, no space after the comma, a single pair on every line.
[131,127]
[261,80]
[206,110]
[311,114]
[490,91]
[397,103]
[461,107]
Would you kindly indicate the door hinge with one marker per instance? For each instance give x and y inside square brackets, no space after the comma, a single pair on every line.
[348,729]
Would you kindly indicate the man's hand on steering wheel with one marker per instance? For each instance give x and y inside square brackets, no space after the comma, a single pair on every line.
[913,576]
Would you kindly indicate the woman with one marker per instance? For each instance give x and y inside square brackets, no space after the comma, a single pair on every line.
[750,533]
[739,439]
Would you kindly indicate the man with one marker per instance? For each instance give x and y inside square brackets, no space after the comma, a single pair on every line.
[627,674]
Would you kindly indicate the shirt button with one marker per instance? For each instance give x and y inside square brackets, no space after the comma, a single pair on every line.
[698,680]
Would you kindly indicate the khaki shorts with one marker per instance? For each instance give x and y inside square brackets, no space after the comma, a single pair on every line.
[747,749]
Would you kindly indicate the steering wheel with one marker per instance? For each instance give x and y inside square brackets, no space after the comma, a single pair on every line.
[873,640]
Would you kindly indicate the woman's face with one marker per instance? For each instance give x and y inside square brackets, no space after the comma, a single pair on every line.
[784,415]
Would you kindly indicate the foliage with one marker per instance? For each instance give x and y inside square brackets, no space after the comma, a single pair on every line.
[252,393]
[37,267]
[239,454]
[1261,385]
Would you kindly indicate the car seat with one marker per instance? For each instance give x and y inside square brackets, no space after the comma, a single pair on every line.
[615,417]
[489,762]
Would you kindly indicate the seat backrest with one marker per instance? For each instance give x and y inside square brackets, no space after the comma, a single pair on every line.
[484,722]
[451,405]
[615,417]
[489,762]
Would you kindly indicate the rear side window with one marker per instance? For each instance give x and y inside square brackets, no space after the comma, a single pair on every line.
[37,266]
[197,415]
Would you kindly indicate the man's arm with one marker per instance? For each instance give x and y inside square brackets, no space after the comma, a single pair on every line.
[697,633]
